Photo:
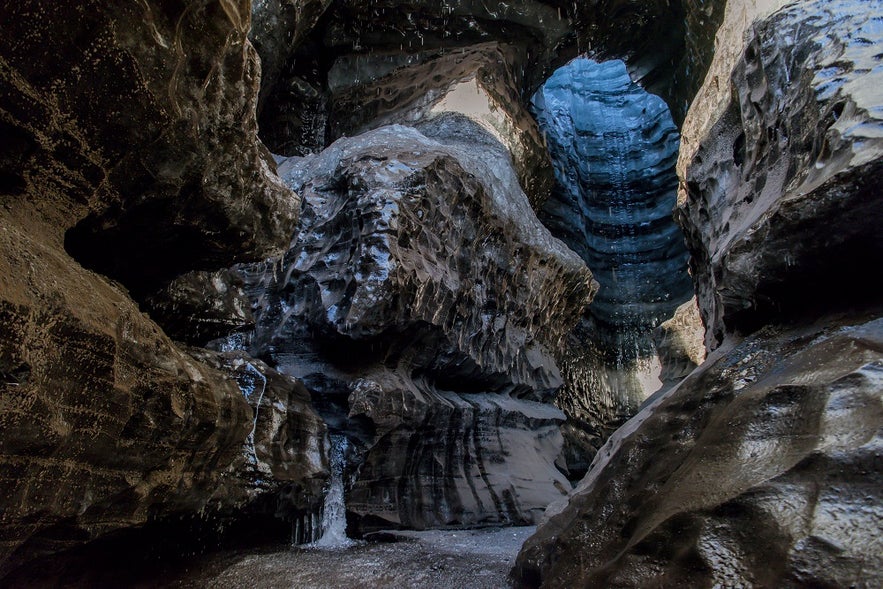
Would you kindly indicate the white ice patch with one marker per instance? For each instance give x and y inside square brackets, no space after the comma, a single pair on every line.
[334,511]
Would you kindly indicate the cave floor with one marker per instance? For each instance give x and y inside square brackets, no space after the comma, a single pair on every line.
[478,559]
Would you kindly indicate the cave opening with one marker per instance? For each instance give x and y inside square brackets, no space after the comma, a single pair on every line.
[613,147]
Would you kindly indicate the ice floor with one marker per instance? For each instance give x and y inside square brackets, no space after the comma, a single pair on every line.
[475,559]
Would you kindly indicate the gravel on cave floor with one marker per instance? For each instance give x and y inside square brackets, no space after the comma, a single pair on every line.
[474,559]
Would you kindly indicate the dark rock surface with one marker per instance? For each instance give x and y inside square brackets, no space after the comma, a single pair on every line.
[142,140]
[278,27]
[284,457]
[759,469]
[649,35]
[104,421]
[667,46]
[369,91]
[762,467]
[128,141]
[680,343]
[198,307]
[107,424]
[360,37]
[614,147]
[780,203]
[398,237]
[423,306]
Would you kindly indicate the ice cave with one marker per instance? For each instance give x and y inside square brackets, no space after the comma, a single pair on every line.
[334,294]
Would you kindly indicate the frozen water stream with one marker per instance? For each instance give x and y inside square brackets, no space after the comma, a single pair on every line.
[477,559]
[334,511]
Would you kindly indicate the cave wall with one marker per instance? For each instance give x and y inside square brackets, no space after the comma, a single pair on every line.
[131,170]
[760,469]
[129,146]
[143,133]
[368,91]
[667,47]
[747,472]
[795,146]
[132,176]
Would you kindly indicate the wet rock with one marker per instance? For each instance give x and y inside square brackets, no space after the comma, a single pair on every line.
[423,305]
[434,45]
[597,396]
[779,201]
[680,343]
[648,35]
[278,27]
[133,129]
[723,42]
[129,143]
[370,91]
[442,459]
[198,307]
[415,25]
[759,469]
[283,462]
[398,236]
[103,421]
[667,46]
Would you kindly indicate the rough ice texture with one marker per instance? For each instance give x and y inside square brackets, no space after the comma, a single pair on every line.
[131,126]
[780,202]
[371,91]
[128,140]
[412,239]
[759,469]
[422,286]
[667,46]
[613,147]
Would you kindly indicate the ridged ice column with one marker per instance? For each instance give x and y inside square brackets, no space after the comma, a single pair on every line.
[614,148]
